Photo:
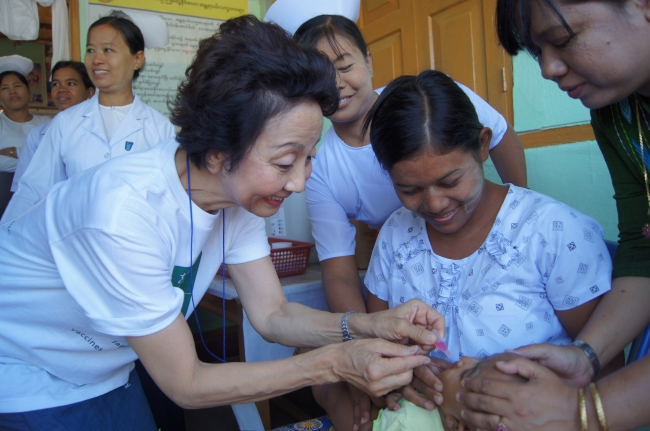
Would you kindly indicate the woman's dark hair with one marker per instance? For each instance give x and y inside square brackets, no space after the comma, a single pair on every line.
[78,67]
[414,113]
[129,31]
[18,75]
[329,26]
[513,19]
[245,74]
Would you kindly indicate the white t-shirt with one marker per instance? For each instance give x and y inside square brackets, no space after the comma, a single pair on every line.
[79,273]
[30,146]
[540,256]
[13,134]
[77,140]
[348,182]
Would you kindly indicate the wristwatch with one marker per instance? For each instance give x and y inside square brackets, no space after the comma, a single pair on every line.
[591,355]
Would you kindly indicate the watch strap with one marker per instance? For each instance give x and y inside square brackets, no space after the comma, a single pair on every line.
[591,355]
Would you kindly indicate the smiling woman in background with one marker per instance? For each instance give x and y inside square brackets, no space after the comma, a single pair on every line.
[113,123]
[71,85]
[15,120]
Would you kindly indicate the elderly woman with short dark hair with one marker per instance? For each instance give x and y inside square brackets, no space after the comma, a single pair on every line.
[113,261]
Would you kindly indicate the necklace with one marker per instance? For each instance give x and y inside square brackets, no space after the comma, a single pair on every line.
[646,227]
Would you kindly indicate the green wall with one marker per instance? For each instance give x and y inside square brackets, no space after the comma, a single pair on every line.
[576,173]
[539,103]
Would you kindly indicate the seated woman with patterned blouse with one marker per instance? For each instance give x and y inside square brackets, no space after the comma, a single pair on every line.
[505,265]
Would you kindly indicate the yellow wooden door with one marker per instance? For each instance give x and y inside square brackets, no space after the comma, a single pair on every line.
[457,37]
[388,27]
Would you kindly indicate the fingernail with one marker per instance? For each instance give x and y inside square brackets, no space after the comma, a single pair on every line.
[355,427]
[458,396]
[429,405]
[431,338]
[414,349]
[438,387]
[463,414]
[438,399]
[462,382]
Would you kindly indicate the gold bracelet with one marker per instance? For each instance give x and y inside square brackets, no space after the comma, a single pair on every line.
[599,406]
[584,426]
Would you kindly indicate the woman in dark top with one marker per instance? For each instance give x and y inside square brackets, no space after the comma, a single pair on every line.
[597,52]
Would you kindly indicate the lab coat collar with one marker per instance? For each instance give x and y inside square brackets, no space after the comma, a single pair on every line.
[132,122]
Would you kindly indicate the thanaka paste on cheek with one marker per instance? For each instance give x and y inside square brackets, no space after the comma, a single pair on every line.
[475,197]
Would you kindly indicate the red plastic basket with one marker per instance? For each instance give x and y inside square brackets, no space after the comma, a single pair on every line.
[288,260]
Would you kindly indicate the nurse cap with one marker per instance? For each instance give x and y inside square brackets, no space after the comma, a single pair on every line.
[291,14]
[16,63]
[153,27]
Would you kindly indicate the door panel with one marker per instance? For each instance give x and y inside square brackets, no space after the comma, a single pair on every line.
[456,35]
[459,38]
[388,29]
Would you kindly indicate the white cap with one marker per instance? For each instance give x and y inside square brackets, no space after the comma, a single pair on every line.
[291,14]
[16,63]
[153,27]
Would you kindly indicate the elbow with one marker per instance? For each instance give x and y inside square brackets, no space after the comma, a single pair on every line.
[187,400]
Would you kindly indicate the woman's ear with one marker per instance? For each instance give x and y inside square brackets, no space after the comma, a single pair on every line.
[214,161]
[484,137]
[139,60]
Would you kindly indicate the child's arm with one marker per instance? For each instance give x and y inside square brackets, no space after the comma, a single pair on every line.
[374,304]
[574,319]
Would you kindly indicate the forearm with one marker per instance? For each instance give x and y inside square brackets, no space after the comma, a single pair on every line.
[625,398]
[299,326]
[342,285]
[9,152]
[619,317]
[192,384]
[221,384]
[296,325]
[510,160]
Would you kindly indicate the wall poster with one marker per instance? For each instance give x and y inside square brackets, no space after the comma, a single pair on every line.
[214,9]
[165,67]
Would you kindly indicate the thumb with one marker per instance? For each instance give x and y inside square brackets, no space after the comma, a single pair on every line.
[534,352]
[521,366]
[419,335]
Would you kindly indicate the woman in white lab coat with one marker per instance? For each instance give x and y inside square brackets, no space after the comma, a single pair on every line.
[113,123]
[15,120]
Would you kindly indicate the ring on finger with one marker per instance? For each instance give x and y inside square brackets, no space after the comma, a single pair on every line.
[501,426]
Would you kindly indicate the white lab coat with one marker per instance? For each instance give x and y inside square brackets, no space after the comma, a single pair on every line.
[76,141]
